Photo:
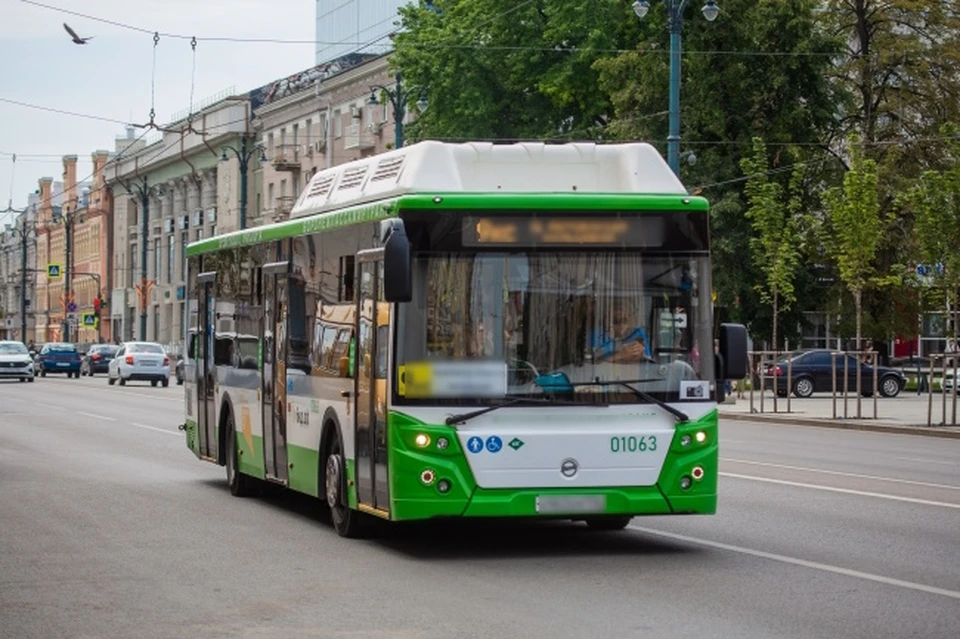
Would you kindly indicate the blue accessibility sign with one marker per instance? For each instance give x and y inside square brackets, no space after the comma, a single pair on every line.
[494,444]
[475,444]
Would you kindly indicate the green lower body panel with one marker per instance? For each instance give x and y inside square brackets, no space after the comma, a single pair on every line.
[304,470]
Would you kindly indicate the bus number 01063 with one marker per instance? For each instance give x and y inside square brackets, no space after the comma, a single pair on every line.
[633,444]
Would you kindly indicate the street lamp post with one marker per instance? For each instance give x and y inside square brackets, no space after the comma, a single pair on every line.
[675,9]
[143,191]
[397,97]
[69,218]
[243,156]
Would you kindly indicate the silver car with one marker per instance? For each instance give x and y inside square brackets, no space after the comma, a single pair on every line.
[139,361]
[15,362]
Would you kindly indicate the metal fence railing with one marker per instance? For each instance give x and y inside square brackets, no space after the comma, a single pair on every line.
[948,363]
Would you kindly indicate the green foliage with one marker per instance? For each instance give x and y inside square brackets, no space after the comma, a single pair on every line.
[503,69]
[855,225]
[775,246]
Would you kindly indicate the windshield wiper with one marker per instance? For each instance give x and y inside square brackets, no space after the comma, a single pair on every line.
[679,414]
[461,418]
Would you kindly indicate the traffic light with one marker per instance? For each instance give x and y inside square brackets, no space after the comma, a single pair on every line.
[96,305]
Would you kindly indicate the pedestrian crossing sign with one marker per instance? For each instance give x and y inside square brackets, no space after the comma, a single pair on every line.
[53,271]
[89,319]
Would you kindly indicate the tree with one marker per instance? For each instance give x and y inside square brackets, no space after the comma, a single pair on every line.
[503,69]
[760,70]
[775,248]
[855,227]
[936,202]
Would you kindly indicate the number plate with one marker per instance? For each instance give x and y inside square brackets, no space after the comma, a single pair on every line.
[63,363]
[148,363]
[571,504]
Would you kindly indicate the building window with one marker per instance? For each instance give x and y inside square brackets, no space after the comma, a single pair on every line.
[337,124]
[199,234]
[156,260]
[171,257]
[270,146]
[345,294]
[270,196]
[156,323]
[133,265]
[184,240]
[309,131]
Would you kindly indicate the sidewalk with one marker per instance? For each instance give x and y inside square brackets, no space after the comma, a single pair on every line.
[906,413]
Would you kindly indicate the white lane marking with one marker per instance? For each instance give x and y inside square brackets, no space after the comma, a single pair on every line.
[95,416]
[926,461]
[166,431]
[847,491]
[813,565]
[841,474]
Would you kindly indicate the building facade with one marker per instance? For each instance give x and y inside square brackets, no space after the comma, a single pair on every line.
[18,244]
[354,26]
[187,192]
[321,125]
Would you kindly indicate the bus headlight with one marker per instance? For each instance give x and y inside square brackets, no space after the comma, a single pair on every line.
[701,436]
[422,440]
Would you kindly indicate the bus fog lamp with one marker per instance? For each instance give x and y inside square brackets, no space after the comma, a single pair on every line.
[427,476]
[422,440]
[685,441]
[442,443]
[443,486]
[697,472]
[701,437]
[685,482]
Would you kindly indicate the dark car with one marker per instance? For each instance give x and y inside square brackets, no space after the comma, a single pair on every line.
[59,357]
[812,372]
[97,359]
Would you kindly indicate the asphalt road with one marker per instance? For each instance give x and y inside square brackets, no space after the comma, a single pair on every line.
[110,528]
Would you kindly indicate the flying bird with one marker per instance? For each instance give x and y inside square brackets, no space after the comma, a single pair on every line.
[73,34]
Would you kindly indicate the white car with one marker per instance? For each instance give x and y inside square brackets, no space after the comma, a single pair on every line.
[140,361]
[15,362]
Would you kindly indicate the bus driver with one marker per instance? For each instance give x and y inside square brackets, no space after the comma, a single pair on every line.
[622,342]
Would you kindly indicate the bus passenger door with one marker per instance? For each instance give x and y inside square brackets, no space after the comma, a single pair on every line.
[273,335]
[373,319]
[206,411]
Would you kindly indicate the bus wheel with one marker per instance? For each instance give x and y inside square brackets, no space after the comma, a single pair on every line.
[345,521]
[240,484]
[609,523]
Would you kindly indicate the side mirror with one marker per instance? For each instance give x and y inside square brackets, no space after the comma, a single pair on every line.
[343,366]
[397,268]
[733,351]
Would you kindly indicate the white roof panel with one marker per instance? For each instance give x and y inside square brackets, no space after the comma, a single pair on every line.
[484,167]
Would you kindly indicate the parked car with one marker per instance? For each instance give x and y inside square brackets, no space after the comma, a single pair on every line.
[15,361]
[59,357]
[97,359]
[811,372]
[139,361]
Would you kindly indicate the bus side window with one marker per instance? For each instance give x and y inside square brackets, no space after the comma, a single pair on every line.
[327,339]
[383,335]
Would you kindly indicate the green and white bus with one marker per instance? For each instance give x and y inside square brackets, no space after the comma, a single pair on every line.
[467,330]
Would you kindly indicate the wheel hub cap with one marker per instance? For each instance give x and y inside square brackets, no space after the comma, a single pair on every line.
[333,481]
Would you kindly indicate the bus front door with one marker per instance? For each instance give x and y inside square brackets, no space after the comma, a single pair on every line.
[206,397]
[273,392]
[373,320]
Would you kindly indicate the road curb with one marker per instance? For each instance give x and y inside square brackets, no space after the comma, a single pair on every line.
[923,431]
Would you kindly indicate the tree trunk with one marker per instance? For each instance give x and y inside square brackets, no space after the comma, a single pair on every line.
[858,298]
[776,384]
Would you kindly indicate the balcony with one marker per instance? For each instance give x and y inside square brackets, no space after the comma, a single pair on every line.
[358,136]
[283,207]
[286,157]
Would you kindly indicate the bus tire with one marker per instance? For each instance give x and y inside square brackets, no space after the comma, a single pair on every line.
[346,522]
[240,484]
[608,523]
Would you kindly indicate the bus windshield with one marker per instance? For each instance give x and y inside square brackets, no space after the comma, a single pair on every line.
[530,324]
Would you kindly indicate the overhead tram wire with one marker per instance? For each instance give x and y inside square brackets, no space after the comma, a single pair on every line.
[362,45]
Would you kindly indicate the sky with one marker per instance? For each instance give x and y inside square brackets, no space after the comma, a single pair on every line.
[112,75]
